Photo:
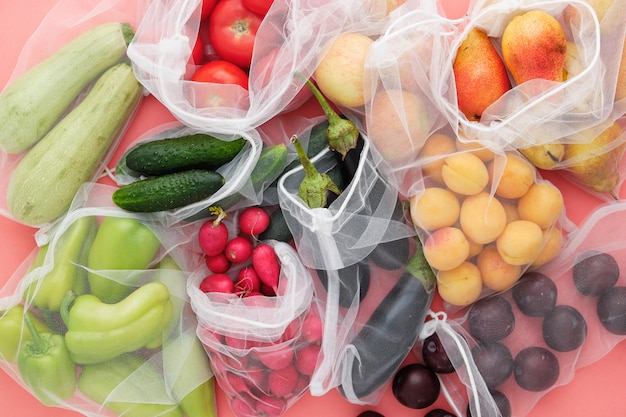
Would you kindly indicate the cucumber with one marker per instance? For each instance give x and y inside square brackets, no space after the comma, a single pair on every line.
[169,191]
[46,179]
[197,151]
[35,101]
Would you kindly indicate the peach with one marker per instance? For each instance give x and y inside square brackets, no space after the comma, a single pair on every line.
[434,208]
[482,217]
[340,72]
[460,286]
[465,173]
[553,239]
[542,204]
[431,158]
[446,248]
[496,273]
[512,175]
[521,242]
[400,126]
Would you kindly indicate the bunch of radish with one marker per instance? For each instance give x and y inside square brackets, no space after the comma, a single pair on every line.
[239,263]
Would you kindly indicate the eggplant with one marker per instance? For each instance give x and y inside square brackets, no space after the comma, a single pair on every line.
[354,281]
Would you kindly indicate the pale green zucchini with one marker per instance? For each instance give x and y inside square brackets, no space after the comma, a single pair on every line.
[46,179]
[33,103]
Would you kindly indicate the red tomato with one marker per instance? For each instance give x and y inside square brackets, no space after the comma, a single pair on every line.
[197,53]
[221,72]
[258,6]
[207,8]
[232,31]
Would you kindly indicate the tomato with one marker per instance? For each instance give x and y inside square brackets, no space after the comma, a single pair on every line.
[197,53]
[207,8]
[221,72]
[232,31]
[258,6]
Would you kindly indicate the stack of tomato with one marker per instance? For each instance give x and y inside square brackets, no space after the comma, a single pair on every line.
[227,32]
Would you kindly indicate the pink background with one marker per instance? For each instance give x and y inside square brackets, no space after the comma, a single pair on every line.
[596,390]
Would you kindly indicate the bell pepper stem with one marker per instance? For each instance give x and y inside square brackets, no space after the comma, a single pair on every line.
[39,344]
[66,304]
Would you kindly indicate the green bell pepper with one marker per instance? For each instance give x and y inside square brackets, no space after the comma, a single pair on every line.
[120,244]
[46,367]
[13,334]
[97,331]
[140,384]
[66,274]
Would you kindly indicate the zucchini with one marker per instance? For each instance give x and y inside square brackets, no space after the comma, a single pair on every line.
[169,191]
[173,154]
[35,101]
[46,179]
[392,330]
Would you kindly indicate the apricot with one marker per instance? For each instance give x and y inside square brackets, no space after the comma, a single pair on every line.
[434,208]
[446,248]
[521,242]
[496,273]
[514,178]
[542,204]
[482,217]
[475,248]
[431,158]
[460,286]
[476,148]
[553,239]
[510,208]
[465,173]
[400,126]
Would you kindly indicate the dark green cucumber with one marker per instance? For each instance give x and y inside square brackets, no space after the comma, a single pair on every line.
[197,151]
[169,191]
[278,228]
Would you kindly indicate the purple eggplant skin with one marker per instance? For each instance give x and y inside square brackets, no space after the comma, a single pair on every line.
[354,283]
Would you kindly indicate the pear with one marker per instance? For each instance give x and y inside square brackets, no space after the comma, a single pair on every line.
[545,156]
[595,163]
[620,88]
[610,13]
[480,75]
[534,46]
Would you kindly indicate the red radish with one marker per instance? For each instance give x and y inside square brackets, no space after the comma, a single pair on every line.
[253,221]
[283,382]
[213,234]
[241,405]
[268,406]
[306,359]
[238,343]
[217,283]
[267,291]
[247,282]
[312,327]
[265,263]
[218,264]
[238,249]
[277,358]
[256,377]
[237,382]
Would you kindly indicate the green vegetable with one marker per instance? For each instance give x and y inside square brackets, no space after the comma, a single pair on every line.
[316,144]
[121,244]
[169,191]
[97,331]
[313,187]
[13,334]
[33,103]
[46,367]
[130,376]
[198,151]
[47,178]
[278,228]
[67,273]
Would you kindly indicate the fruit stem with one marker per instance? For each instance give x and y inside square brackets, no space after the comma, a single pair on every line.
[219,212]
[342,134]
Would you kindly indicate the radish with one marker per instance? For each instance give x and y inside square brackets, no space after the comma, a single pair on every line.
[306,359]
[268,406]
[283,382]
[217,283]
[247,282]
[238,249]
[217,264]
[253,221]
[265,263]
[312,327]
[213,234]
[277,358]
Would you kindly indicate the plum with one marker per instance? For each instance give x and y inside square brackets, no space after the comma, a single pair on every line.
[611,310]
[564,328]
[416,386]
[595,272]
[534,294]
[491,319]
[435,356]
[536,368]
[494,362]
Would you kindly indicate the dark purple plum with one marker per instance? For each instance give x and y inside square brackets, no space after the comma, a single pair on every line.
[416,386]
[435,356]
[611,310]
[370,413]
[494,362]
[564,328]
[439,412]
[595,272]
[534,294]
[502,402]
[536,368]
[491,319]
